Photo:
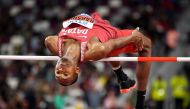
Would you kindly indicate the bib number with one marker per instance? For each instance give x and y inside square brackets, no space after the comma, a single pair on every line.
[82,19]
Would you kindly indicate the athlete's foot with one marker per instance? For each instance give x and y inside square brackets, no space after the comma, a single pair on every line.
[127,85]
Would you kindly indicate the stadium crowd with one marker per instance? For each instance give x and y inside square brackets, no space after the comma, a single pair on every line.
[24,24]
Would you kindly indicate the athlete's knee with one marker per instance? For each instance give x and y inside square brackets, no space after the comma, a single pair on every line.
[147,45]
[147,42]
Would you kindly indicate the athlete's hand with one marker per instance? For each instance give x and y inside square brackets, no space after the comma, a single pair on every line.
[137,39]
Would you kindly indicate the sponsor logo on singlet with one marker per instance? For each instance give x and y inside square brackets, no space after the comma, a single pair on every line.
[74,31]
[82,19]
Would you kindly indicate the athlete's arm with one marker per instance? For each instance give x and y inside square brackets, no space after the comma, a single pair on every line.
[136,38]
[97,50]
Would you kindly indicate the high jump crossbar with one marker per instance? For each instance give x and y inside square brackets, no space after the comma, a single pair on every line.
[129,59]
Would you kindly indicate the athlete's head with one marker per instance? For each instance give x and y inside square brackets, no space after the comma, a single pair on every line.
[66,71]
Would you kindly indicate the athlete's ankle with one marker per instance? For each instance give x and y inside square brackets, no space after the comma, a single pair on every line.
[121,76]
[140,99]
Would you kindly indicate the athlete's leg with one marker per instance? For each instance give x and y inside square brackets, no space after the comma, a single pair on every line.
[142,72]
[143,68]
[122,45]
[126,84]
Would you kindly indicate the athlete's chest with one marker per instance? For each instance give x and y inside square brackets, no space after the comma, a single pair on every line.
[80,47]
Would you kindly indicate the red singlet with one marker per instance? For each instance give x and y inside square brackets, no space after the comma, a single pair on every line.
[83,27]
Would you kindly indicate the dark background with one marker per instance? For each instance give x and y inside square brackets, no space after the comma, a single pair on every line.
[24,24]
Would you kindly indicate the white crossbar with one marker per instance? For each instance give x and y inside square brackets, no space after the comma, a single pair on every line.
[34,58]
[131,59]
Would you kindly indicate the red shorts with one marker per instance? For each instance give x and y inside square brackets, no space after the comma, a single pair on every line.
[126,49]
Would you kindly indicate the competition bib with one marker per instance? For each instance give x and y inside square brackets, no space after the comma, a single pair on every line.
[82,19]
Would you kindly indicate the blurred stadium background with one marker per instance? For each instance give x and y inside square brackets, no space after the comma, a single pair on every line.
[24,24]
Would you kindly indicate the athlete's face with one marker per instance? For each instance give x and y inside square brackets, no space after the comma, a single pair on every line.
[66,71]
